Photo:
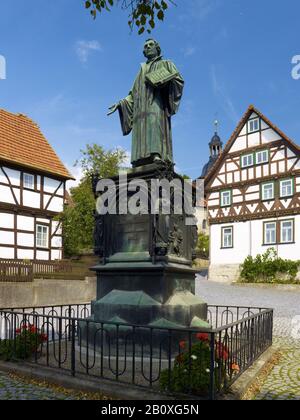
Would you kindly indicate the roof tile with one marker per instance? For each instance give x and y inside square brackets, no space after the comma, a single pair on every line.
[22,143]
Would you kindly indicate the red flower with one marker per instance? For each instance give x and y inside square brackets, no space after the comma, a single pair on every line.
[182,344]
[222,352]
[235,367]
[18,331]
[32,329]
[44,337]
[24,327]
[203,337]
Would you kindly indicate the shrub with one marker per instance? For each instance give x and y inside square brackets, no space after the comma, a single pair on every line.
[28,339]
[191,372]
[269,268]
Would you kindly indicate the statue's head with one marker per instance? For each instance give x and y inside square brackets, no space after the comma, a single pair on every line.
[152,49]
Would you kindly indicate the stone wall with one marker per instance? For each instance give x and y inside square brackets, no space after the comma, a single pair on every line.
[224,273]
[47,293]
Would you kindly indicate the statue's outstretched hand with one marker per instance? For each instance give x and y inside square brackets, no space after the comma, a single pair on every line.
[113,109]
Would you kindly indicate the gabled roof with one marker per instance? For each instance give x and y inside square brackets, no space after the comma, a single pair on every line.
[22,143]
[235,134]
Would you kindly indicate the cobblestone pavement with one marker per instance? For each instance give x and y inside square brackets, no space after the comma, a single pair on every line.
[283,382]
[12,388]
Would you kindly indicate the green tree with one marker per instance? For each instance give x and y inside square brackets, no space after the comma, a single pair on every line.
[143,13]
[203,245]
[78,216]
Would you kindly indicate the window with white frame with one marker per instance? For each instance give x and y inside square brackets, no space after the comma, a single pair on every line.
[227,237]
[253,125]
[247,160]
[226,197]
[286,188]
[42,235]
[28,181]
[287,231]
[262,157]
[270,233]
[267,191]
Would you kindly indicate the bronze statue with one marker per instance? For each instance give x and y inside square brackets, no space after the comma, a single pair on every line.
[148,108]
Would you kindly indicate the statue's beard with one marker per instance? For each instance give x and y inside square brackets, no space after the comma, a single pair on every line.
[150,56]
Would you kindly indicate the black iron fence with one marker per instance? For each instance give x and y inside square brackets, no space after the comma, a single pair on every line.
[192,362]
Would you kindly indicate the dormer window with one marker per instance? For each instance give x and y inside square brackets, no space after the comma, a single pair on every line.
[28,181]
[253,125]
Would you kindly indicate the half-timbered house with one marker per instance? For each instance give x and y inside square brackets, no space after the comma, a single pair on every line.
[253,196]
[32,191]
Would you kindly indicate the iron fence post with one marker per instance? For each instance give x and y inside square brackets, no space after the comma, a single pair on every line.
[212,367]
[73,355]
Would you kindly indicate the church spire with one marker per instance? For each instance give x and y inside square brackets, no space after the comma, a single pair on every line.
[215,144]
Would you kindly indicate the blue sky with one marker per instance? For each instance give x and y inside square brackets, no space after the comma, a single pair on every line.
[64,69]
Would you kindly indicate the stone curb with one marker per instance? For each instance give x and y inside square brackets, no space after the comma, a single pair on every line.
[82,383]
[283,287]
[129,392]
[249,378]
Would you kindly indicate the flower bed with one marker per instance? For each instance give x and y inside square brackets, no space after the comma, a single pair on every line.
[27,342]
[192,367]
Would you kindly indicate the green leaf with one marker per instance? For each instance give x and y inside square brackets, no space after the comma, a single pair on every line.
[161,15]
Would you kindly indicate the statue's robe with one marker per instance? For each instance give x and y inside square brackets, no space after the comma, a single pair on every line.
[147,112]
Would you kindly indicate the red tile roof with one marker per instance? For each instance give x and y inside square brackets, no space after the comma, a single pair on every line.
[22,143]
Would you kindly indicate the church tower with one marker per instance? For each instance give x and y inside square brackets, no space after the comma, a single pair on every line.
[215,147]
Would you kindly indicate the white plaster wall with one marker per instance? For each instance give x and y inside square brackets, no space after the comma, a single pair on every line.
[6,220]
[239,144]
[269,135]
[14,176]
[25,239]
[50,186]
[250,244]
[56,242]
[6,195]
[31,199]
[7,238]
[56,255]
[25,223]
[57,204]
[254,139]
[42,255]
[7,252]
[232,255]
[25,254]
[39,220]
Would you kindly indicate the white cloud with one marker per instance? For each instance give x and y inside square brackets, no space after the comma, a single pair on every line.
[189,51]
[77,173]
[84,48]
[221,93]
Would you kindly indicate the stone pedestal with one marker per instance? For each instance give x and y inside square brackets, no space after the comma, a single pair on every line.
[145,275]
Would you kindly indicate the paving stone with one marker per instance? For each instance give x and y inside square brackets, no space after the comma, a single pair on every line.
[283,382]
[14,389]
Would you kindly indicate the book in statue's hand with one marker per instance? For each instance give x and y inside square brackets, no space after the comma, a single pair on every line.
[160,77]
